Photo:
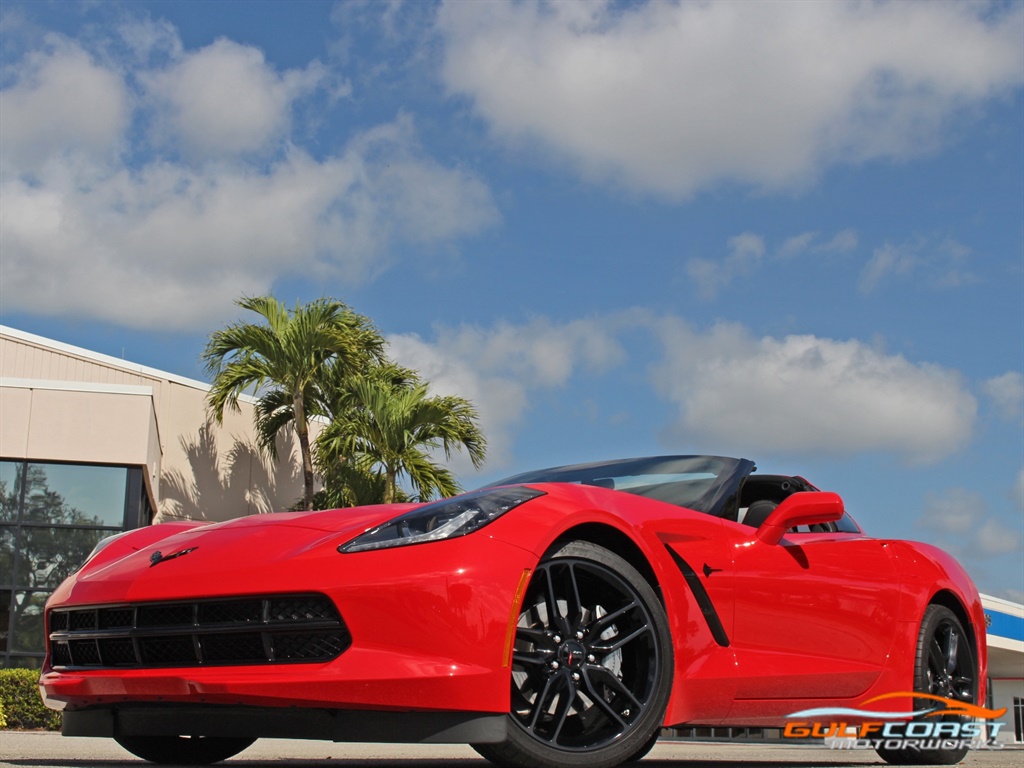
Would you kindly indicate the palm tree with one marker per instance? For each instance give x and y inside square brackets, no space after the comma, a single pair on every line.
[281,359]
[390,425]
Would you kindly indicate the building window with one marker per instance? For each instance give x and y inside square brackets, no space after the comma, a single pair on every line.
[51,516]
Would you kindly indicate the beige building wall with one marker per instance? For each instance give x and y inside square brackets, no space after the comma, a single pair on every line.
[64,403]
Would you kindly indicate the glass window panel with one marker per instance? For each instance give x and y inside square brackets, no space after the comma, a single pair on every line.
[74,494]
[8,546]
[5,618]
[27,629]
[50,555]
[10,489]
[23,662]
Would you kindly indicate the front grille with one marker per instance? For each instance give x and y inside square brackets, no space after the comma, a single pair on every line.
[279,629]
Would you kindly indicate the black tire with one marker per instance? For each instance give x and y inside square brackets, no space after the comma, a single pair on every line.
[641,753]
[183,750]
[591,667]
[944,666]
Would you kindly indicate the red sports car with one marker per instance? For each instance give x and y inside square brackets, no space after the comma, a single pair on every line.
[558,618]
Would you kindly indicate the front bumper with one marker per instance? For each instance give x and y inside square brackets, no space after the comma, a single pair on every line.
[429,628]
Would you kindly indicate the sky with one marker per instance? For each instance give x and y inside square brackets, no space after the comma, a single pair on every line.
[787,231]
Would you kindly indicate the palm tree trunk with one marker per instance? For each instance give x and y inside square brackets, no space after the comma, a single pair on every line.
[389,485]
[302,430]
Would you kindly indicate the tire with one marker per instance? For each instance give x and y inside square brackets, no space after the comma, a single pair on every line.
[944,666]
[591,666]
[183,750]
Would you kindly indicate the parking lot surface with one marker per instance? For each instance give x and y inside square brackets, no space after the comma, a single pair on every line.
[51,750]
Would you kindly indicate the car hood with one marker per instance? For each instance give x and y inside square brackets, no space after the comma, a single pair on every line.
[218,559]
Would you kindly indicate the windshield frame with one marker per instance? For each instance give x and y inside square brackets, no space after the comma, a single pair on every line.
[713,500]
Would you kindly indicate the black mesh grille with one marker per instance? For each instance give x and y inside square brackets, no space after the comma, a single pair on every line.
[296,609]
[160,651]
[234,647]
[115,617]
[61,655]
[83,620]
[252,630]
[227,613]
[174,615]
[84,652]
[117,652]
[306,646]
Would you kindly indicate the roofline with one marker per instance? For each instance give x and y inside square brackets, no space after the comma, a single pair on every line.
[112,362]
[1002,606]
[76,386]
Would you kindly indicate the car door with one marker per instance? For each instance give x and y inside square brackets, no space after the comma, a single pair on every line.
[813,613]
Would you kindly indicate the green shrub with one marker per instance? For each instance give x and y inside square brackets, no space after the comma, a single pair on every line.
[20,703]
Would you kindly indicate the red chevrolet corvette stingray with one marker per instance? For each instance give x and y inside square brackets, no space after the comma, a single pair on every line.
[559,618]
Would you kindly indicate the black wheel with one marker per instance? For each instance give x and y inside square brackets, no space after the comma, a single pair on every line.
[183,750]
[591,667]
[944,667]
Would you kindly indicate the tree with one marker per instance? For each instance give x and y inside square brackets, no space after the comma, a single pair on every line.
[389,425]
[281,360]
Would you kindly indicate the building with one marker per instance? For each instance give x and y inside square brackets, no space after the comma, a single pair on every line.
[1005,634]
[91,445]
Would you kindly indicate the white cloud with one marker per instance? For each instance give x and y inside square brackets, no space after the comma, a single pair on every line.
[673,97]
[887,260]
[166,243]
[957,520]
[499,369]
[734,392]
[746,255]
[1007,393]
[746,252]
[808,395]
[842,242]
[954,512]
[225,99]
[62,104]
[940,264]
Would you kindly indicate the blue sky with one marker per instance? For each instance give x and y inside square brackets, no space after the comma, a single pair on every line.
[787,231]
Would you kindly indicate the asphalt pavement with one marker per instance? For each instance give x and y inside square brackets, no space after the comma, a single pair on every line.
[36,749]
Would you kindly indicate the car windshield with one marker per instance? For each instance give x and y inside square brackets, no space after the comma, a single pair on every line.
[701,483]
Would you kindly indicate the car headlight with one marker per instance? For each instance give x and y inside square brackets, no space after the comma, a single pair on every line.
[445,519]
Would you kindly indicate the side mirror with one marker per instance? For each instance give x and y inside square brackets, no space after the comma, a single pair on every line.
[806,508]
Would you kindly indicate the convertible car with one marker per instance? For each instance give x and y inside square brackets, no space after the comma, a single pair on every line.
[558,618]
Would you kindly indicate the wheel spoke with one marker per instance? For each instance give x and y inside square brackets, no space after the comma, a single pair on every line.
[602,676]
[562,708]
[573,601]
[622,641]
[536,637]
[598,627]
[540,704]
[936,658]
[951,651]
[531,659]
[555,616]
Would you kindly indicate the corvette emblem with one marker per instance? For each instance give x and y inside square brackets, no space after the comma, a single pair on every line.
[159,557]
